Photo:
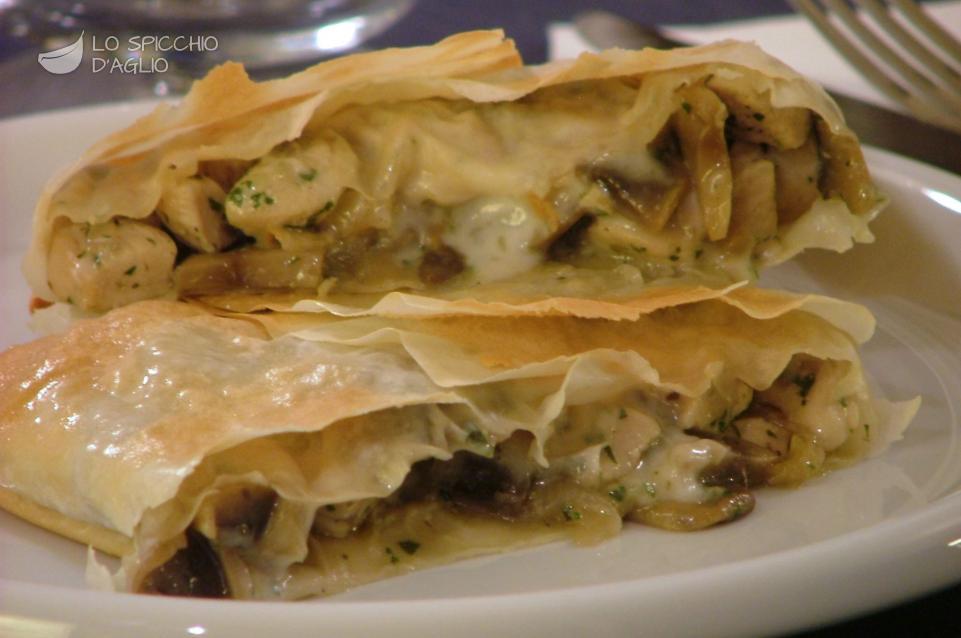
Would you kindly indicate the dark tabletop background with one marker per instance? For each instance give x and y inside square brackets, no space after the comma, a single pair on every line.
[23,90]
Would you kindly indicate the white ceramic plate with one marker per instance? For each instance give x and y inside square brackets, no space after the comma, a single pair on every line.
[859,539]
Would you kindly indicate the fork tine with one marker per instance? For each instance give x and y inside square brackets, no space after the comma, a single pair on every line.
[853,55]
[923,22]
[878,47]
[920,52]
[919,105]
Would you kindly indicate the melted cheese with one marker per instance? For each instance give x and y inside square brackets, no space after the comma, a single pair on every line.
[498,237]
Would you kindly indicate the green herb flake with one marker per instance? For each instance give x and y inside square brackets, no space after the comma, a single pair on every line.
[867,431]
[622,414]
[570,513]
[674,257]
[409,546]
[843,402]
[215,205]
[130,271]
[393,557]
[618,493]
[268,199]
[330,507]
[650,488]
[698,253]
[70,300]
[308,176]
[686,106]
[257,199]
[236,196]
[327,206]
[96,259]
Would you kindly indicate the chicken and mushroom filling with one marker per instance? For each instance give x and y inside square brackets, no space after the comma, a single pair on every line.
[647,455]
[449,194]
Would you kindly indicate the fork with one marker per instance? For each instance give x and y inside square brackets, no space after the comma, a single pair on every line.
[923,77]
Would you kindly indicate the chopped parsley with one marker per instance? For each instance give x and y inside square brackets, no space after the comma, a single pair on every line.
[409,546]
[308,176]
[686,106]
[622,414]
[617,493]
[650,488]
[130,271]
[570,513]
[393,557]
[843,402]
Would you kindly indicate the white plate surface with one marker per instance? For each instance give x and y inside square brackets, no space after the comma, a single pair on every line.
[859,539]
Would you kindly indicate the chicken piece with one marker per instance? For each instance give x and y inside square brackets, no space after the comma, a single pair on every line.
[193,210]
[224,172]
[809,393]
[754,117]
[754,215]
[700,129]
[102,266]
[713,410]
[797,174]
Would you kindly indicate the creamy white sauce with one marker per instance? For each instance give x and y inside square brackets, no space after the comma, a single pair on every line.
[497,236]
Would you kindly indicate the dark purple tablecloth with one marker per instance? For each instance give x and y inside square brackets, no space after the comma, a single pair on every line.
[26,90]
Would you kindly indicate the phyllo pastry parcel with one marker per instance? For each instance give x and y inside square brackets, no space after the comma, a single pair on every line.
[451,169]
[289,455]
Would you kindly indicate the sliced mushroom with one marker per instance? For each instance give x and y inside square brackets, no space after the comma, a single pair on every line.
[651,202]
[193,210]
[689,517]
[755,119]
[845,172]
[700,129]
[253,269]
[195,570]
[102,266]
